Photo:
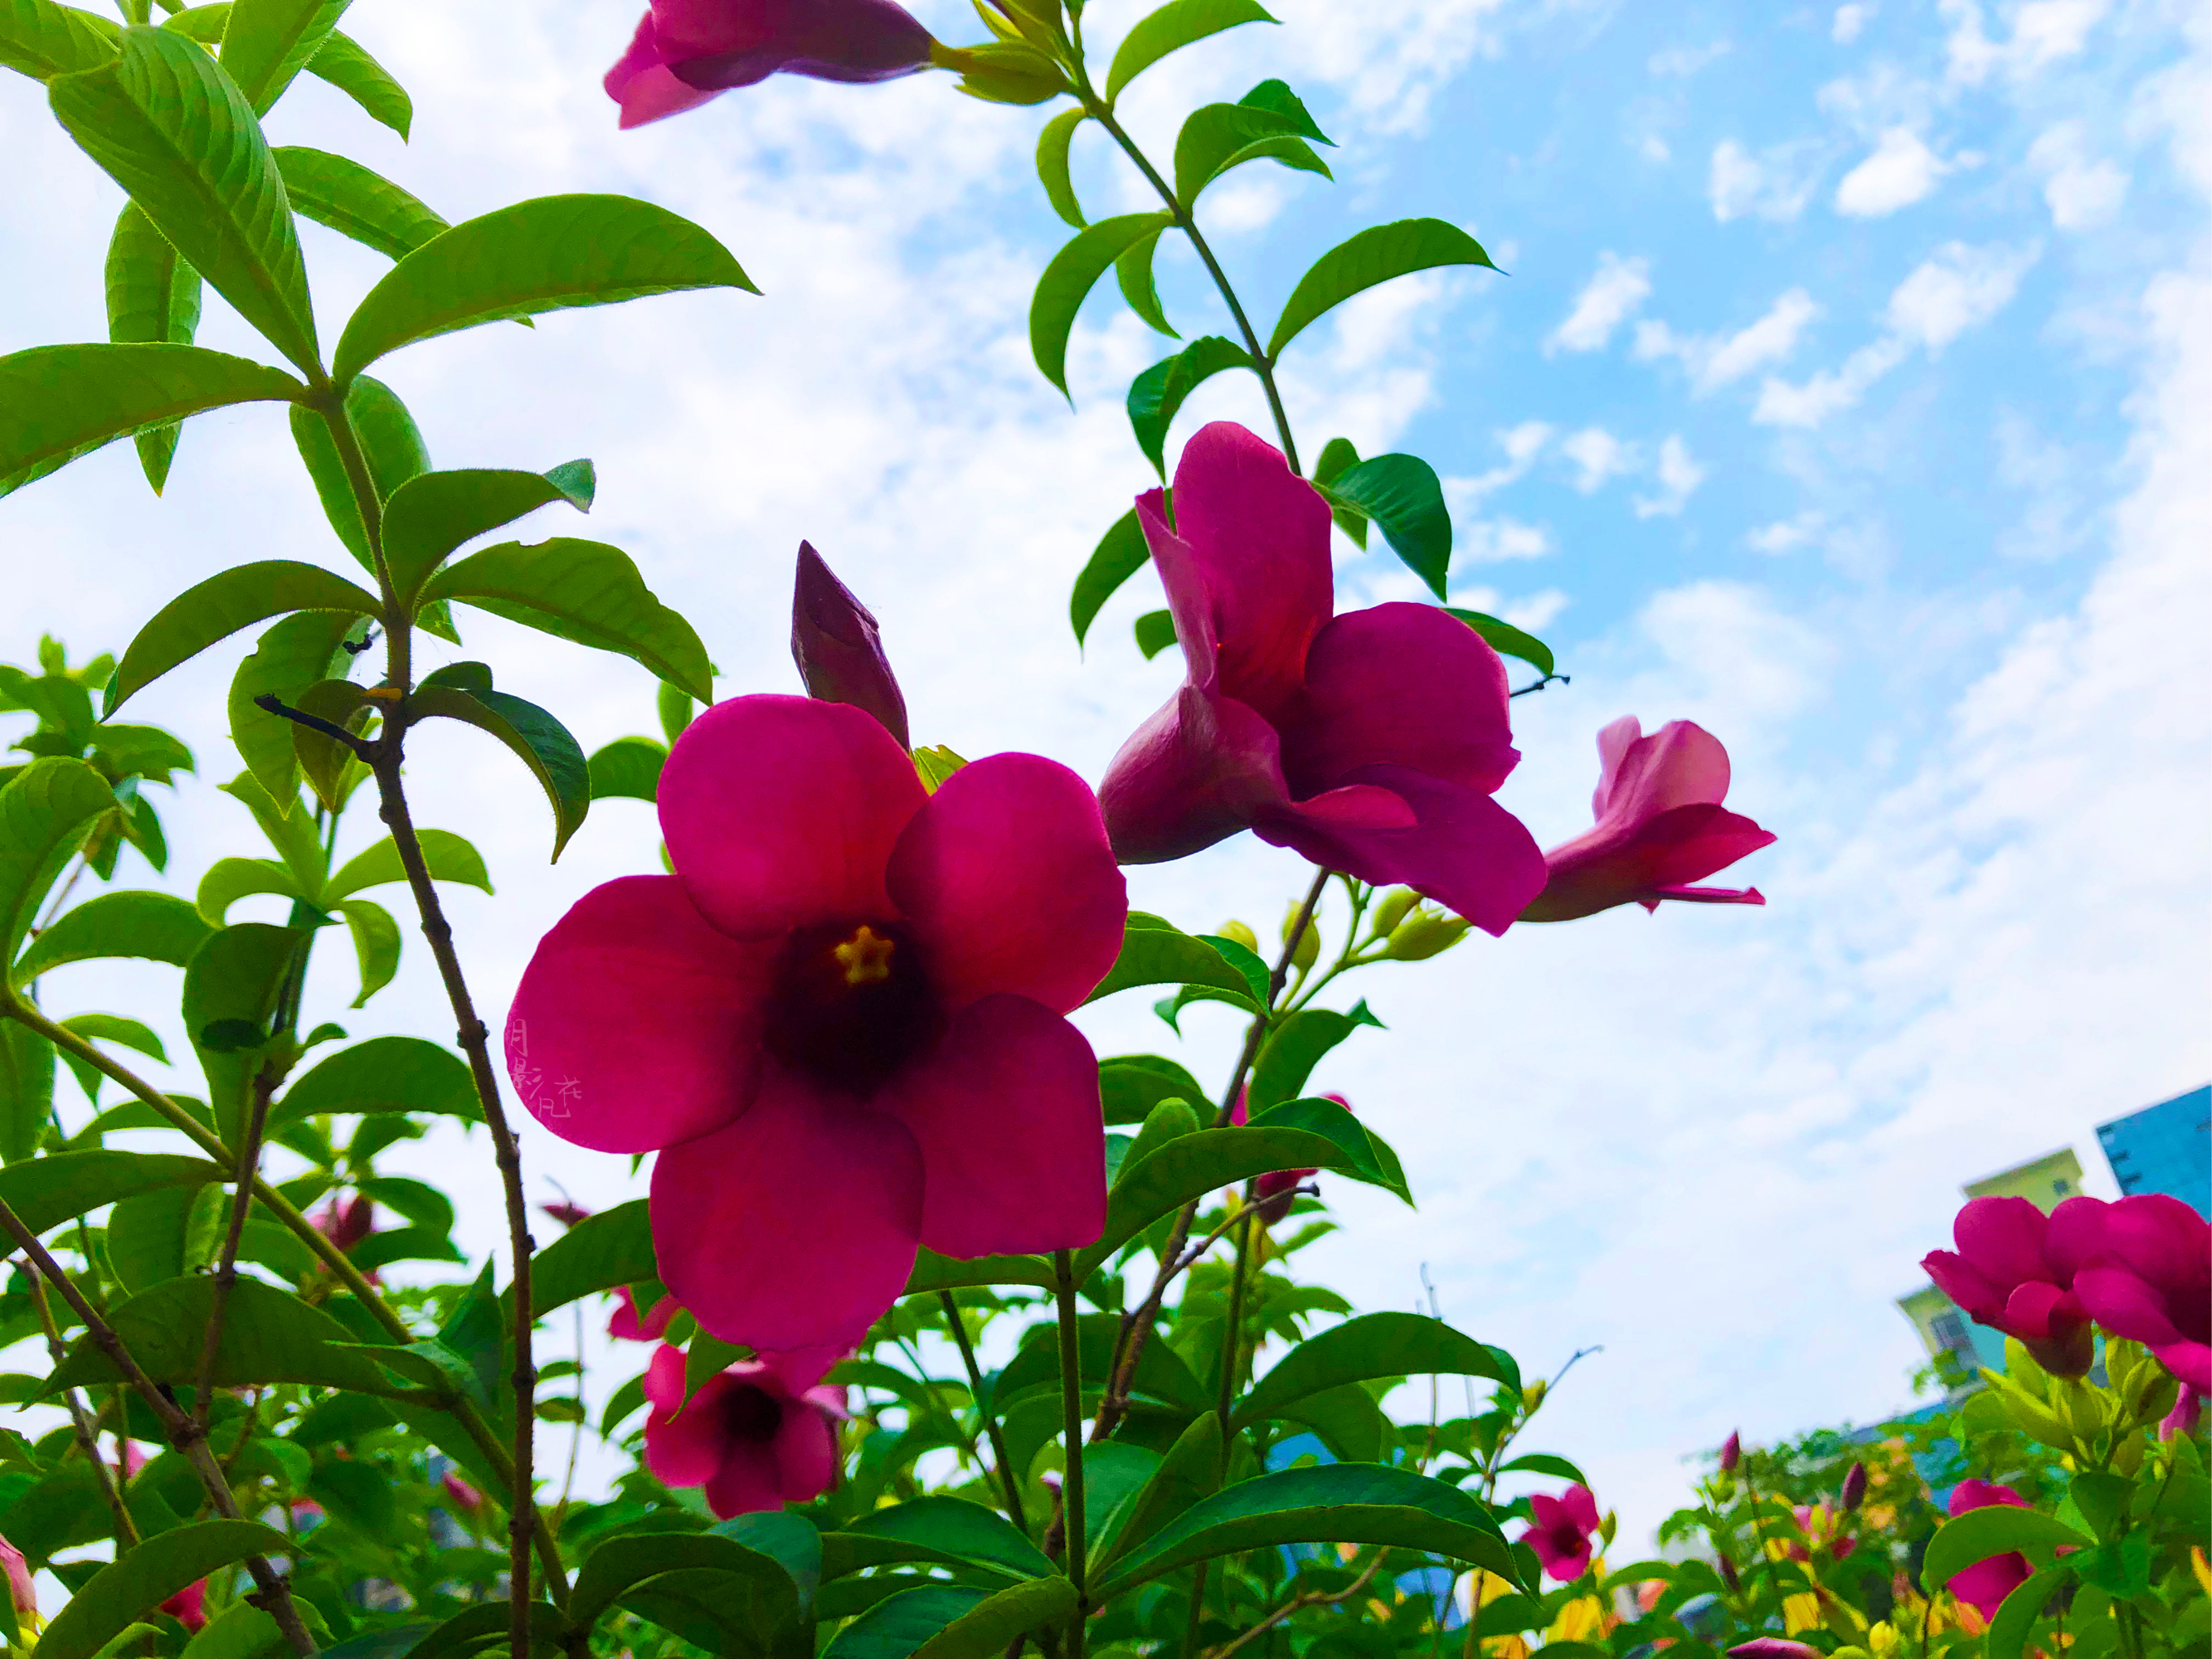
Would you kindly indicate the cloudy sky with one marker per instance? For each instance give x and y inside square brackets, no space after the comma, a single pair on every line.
[1845,397]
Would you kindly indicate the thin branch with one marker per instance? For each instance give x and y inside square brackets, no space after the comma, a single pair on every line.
[226,1271]
[273,705]
[1299,1604]
[1564,679]
[1007,1481]
[87,1432]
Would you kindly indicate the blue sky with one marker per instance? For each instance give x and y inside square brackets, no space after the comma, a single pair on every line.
[1844,396]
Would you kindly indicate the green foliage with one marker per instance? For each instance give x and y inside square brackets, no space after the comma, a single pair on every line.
[212,610]
[1509,640]
[1053,146]
[141,1579]
[1156,395]
[354,201]
[1068,280]
[1173,27]
[1371,257]
[534,736]
[153,297]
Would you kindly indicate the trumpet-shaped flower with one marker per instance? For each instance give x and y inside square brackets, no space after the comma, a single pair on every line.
[1985,1585]
[749,1436]
[686,51]
[2014,1271]
[1369,742]
[2150,1280]
[841,1017]
[1660,827]
[1562,1530]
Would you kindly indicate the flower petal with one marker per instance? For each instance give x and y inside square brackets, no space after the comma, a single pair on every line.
[636,1024]
[2076,1232]
[806,1453]
[780,813]
[2190,1363]
[1258,536]
[2125,1305]
[1985,1585]
[1400,685]
[1007,877]
[1579,1505]
[2003,1238]
[1005,1111]
[1622,861]
[1964,1283]
[1189,604]
[686,1447]
[643,84]
[796,1225]
[746,1483]
[1463,849]
[1201,768]
[2029,1310]
[1681,764]
[2166,1243]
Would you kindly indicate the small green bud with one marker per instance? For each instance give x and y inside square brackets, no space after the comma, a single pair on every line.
[1533,1396]
[1392,908]
[1308,948]
[1424,934]
[1243,935]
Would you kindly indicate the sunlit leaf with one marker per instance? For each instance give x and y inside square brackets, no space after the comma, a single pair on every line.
[1173,27]
[1373,256]
[1069,279]
[213,611]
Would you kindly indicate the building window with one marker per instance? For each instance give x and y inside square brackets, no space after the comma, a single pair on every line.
[1950,1330]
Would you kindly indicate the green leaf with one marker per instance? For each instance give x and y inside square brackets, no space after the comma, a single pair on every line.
[341,62]
[1155,952]
[1375,1345]
[1340,1503]
[1361,1153]
[985,1629]
[629,767]
[1173,27]
[429,516]
[1155,633]
[170,125]
[62,1186]
[539,740]
[933,1273]
[47,810]
[1219,137]
[1052,150]
[1160,1373]
[538,256]
[1133,272]
[1294,1048]
[232,985]
[385,1074]
[269,1335]
[266,42]
[952,1530]
[1374,256]
[393,446]
[41,40]
[292,833]
[152,926]
[1131,1085]
[375,944]
[2008,1632]
[1277,96]
[602,1252]
[1509,640]
[354,201]
[144,752]
[304,649]
[582,590]
[1190,1470]
[58,402]
[26,1092]
[1068,280]
[1402,495]
[229,880]
[1156,395]
[211,611]
[1544,1462]
[449,857]
[897,1626]
[141,1579]
[153,297]
[624,1564]
[483,1629]
[1997,1529]
[1120,555]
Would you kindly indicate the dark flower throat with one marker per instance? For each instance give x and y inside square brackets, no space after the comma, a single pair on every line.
[851,1003]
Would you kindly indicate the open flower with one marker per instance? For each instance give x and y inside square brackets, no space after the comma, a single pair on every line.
[1985,1585]
[188,1607]
[2014,1271]
[749,1436]
[626,1324]
[1660,826]
[1278,1189]
[686,51]
[1562,1530]
[2150,1280]
[1369,742]
[842,1017]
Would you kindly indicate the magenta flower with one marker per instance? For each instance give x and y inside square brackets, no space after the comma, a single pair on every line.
[1985,1585]
[346,1221]
[2149,1279]
[1855,1487]
[1561,1533]
[188,1607]
[1731,1451]
[839,651]
[464,1497]
[21,1585]
[686,51]
[566,1214]
[751,1437]
[1660,826]
[626,1324]
[842,1017]
[1369,742]
[2188,1411]
[2014,1269]
[1772,1647]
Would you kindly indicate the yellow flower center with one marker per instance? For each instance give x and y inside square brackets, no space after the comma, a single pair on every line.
[867,957]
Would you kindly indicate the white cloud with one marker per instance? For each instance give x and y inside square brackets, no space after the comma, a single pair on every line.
[1901,171]
[1521,445]
[2043,32]
[1685,61]
[2081,193]
[1599,457]
[1714,361]
[1788,535]
[1775,184]
[1612,295]
[1850,22]
[1496,541]
[1830,390]
[1679,476]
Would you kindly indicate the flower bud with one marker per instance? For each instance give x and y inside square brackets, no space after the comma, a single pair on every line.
[1855,1488]
[566,1214]
[1731,1451]
[1003,71]
[20,1586]
[1392,908]
[1424,934]
[1243,935]
[834,641]
[1307,951]
[1729,1577]
[465,1497]
[1533,1396]
[2183,1418]
[345,1222]
[1772,1647]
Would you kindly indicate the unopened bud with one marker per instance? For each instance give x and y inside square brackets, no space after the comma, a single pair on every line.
[566,1214]
[1392,908]
[1424,934]
[1307,950]
[1243,934]
[2183,1418]
[1729,1577]
[1533,1396]
[1731,1451]
[1855,1486]
[839,655]
[465,1497]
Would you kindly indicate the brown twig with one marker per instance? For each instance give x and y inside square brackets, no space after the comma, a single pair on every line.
[87,1432]
[226,1271]
[1298,1604]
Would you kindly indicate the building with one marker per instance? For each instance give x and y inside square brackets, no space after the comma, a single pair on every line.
[2166,1148]
[2047,1182]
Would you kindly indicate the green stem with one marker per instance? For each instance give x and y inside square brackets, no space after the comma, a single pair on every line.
[1071,1489]
[997,1437]
[1233,1337]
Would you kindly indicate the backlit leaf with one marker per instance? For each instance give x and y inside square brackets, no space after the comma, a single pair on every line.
[448,856]
[354,201]
[47,810]
[430,516]
[1219,137]
[1156,395]
[1373,1346]
[216,609]
[142,1577]
[266,42]
[389,439]
[385,1074]
[153,297]
[1507,640]
[628,768]
[537,739]
[42,39]
[1069,279]
[269,1335]
[302,650]
[375,944]
[1373,256]
[1154,952]
[1121,553]
[1171,28]
[341,62]
[152,926]
[1133,272]
[1155,632]
[1052,145]
[1403,497]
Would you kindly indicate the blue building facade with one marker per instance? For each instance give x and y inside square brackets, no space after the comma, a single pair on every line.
[2166,1148]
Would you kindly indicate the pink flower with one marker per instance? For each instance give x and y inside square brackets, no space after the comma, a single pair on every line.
[1660,825]
[686,51]
[1562,1531]
[1370,742]
[841,1017]
[21,1585]
[1731,1451]
[626,1324]
[2149,1279]
[2014,1272]
[2188,1411]
[347,1221]
[1278,1189]
[749,1436]
[465,1497]
[1821,1528]
[1855,1487]
[188,1607]
[1772,1647]
[1985,1585]
[840,654]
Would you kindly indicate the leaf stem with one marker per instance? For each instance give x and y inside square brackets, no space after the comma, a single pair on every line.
[226,1271]
[1070,1394]
[1007,1479]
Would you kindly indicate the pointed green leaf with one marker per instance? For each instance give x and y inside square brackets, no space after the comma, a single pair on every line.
[897,1626]
[1218,138]
[1373,256]
[1277,97]
[1509,640]
[537,256]
[169,125]
[41,40]
[47,810]
[1295,1047]
[942,1528]
[1068,280]
[428,517]
[375,944]
[582,590]
[1173,27]
[1131,1085]
[629,767]
[1997,1529]
[1375,1345]
[218,608]
[62,1186]
[229,880]
[140,1579]
[759,1595]
[231,989]
[1549,1463]
[58,402]
[266,42]
[342,61]
[2023,1607]
[1403,497]
[602,1252]
[383,1074]
[1133,272]
[985,1629]
[152,296]
[1053,144]
[1190,1470]
[933,1273]
[152,926]
[1155,952]
[304,649]
[269,1335]
[1155,632]
[1360,1152]
[390,439]
[539,740]
[448,856]
[292,833]
[354,201]
[26,1092]
[1156,395]
[1121,553]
